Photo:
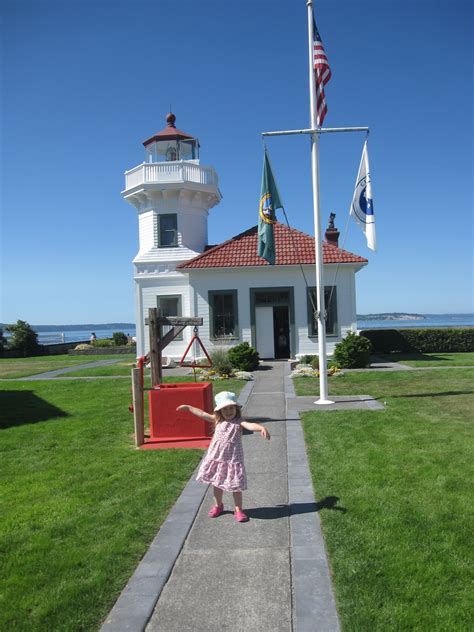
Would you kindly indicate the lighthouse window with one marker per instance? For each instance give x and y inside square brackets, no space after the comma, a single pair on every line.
[223,314]
[169,306]
[330,302]
[167,231]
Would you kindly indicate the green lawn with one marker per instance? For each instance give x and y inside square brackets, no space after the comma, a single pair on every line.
[79,503]
[23,367]
[397,487]
[431,359]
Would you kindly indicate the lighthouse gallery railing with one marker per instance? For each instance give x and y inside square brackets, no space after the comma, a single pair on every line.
[170,172]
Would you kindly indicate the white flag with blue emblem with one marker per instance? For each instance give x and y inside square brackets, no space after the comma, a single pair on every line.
[362,208]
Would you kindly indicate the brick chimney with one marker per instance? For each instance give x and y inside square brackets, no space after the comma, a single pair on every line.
[332,234]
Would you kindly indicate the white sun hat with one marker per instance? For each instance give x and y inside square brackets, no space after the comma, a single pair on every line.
[225,398]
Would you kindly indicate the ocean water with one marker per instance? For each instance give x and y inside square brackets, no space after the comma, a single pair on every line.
[59,334]
[429,320]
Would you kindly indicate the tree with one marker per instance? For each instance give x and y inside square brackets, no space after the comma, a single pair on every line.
[24,339]
[3,342]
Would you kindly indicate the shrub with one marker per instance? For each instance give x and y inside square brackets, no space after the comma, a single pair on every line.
[104,342]
[307,359]
[315,363]
[119,338]
[221,363]
[3,341]
[82,347]
[427,340]
[244,357]
[24,339]
[353,352]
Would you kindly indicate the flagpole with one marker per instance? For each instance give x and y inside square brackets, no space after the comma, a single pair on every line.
[321,313]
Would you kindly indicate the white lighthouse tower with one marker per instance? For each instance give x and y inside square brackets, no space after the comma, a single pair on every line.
[172,193]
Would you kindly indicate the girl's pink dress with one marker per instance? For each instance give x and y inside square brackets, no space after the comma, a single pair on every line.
[223,466]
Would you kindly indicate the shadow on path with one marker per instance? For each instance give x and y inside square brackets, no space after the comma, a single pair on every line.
[284,511]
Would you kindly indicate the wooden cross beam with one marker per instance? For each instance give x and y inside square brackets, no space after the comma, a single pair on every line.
[176,320]
[158,342]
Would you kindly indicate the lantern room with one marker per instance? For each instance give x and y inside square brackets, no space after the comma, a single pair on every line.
[171,144]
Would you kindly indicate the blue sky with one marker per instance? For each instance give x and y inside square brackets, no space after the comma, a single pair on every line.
[85,82]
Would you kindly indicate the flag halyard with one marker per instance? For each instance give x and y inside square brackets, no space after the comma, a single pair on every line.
[269,202]
[362,207]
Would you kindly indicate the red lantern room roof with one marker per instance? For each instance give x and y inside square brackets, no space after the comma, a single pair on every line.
[170,132]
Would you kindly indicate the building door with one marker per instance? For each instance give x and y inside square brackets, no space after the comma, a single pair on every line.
[281,331]
[264,331]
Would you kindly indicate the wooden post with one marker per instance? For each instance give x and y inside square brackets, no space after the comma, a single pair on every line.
[155,352]
[138,412]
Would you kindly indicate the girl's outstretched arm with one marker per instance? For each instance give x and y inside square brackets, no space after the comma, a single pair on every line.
[256,428]
[198,412]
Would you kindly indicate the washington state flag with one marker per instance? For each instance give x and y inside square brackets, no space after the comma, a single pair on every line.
[269,202]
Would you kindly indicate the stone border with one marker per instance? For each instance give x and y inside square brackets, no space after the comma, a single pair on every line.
[136,603]
[313,598]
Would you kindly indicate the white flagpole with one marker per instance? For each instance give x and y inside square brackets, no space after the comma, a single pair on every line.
[323,378]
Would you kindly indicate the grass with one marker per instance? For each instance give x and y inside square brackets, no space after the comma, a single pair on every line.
[79,504]
[397,487]
[23,367]
[431,359]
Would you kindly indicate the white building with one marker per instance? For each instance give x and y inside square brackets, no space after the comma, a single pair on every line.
[238,294]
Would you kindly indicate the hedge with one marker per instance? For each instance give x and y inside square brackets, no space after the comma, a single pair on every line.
[420,340]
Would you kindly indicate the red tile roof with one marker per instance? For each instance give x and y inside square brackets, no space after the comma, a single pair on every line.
[292,248]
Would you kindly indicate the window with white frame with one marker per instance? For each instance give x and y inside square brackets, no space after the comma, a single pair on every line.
[330,302]
[166,230]
[169,306]
[223,314]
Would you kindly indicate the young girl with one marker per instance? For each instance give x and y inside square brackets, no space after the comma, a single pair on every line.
[223,466]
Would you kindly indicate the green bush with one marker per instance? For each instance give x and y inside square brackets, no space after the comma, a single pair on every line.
[3,341]
[221,362]
[315,363]
[353,352]
[420,340]
[119,338]
[307,359]
[244,357]
[104,342]
[24,339]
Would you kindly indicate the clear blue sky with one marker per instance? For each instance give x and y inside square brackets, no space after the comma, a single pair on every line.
[85,82]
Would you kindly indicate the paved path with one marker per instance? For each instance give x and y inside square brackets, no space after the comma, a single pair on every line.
[270,574]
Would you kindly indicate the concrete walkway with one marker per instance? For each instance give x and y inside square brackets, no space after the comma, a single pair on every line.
[270,574]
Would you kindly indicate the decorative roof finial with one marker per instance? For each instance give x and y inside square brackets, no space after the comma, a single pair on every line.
[170,119]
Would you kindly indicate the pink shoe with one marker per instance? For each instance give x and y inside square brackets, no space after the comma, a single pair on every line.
[240,516]
[216,511]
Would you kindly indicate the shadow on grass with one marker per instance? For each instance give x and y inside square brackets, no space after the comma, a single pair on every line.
[444,394]
[284,511]
[401,357]
[24,407]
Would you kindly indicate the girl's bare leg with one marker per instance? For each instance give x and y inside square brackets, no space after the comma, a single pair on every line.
[237,500]
[218,493]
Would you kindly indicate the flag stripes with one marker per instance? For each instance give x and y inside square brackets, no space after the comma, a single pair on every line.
[322,74]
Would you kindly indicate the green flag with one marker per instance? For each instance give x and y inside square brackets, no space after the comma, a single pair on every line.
[269,202]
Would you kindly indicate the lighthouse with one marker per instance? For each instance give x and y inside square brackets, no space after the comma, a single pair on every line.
[172,193]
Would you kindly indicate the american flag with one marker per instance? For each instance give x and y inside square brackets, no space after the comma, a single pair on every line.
[322,74]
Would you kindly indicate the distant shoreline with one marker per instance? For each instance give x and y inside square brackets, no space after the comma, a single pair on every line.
[392,316]
[87,327]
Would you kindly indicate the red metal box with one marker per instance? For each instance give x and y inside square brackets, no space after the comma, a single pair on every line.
[168,424]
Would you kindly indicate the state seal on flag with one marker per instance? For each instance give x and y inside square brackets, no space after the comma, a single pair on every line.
[266,210]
